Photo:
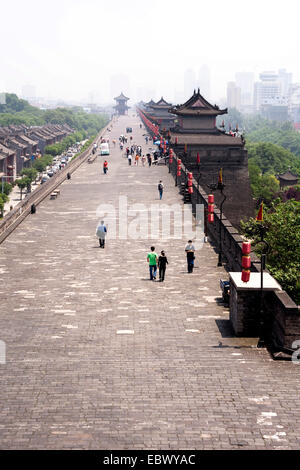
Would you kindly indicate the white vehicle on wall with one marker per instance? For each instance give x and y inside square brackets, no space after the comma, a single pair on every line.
[104,149]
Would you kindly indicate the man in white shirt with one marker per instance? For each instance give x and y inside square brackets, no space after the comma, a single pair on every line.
[190,256]
[101,233]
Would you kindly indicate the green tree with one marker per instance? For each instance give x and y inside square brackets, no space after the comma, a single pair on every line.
[3,200]
[278,133]
[7,187]
[282,222]
[22,183]
[272,158]
[31,174]
[263,187]
[39,165]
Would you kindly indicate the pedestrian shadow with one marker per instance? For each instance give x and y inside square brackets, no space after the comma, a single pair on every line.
[186,272]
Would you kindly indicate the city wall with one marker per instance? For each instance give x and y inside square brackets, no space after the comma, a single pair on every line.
[281,314]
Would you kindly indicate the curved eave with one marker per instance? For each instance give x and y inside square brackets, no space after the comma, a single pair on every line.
[198,112]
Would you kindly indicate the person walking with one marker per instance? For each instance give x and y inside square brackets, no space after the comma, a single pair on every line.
[190,256]
[162,265]
[105,167]
[149,159]
[101,232]
[143,160]
[129,159]
[137,159]
[152,260]
[160,188]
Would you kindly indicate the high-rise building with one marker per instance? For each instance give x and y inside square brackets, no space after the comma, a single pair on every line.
[294,104]
[189,82]
[268,88]
[245,80]
[285,79]
[233,95]
[204,81]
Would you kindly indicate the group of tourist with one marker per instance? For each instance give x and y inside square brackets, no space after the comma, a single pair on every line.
[153,259]
[161,261]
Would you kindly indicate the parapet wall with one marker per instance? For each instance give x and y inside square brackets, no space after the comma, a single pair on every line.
[282,315]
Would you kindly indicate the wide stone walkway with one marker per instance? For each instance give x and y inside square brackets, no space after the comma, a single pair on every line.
[99,357]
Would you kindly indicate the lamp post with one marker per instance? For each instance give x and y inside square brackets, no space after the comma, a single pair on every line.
[198,177]
[262,231]
[220,186]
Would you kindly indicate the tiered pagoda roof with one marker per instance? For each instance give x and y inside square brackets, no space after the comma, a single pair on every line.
[197,106]
[150,103]
[121,97]
[196,124]
[161,104]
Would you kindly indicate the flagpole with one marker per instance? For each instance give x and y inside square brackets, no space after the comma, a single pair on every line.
[262,231]
[221,186]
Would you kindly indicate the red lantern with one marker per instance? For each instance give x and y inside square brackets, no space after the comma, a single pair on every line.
[179,162]
[211,208]
[190,189]
[246,248]
[176,140]
[246,275]
[179,172]
[246,262]
[190,175]
[198,158]
[190,182]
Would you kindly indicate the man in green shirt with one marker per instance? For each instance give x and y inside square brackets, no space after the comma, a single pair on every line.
[152,260]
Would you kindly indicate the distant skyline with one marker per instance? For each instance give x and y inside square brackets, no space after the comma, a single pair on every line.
[70,49]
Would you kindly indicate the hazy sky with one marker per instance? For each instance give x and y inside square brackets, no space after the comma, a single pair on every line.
[70,48]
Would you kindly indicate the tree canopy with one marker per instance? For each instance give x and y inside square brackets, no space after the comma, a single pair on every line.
[18,111]
[282,222]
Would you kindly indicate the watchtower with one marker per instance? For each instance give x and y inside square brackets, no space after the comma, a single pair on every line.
[195,135]
[121,106]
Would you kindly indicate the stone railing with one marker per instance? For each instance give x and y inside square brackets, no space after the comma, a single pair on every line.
[23,209]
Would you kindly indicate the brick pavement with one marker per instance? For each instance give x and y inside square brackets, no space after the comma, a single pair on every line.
[179,380]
